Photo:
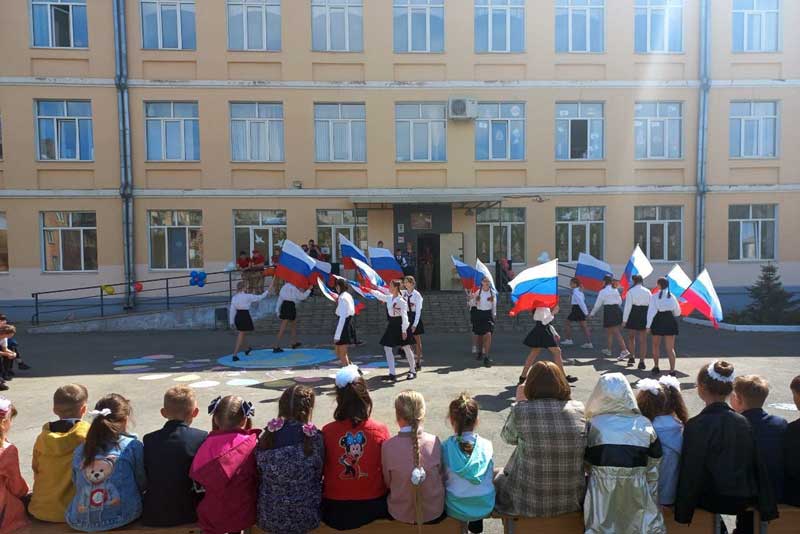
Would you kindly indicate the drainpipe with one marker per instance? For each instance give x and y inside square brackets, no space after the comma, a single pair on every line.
[702,136]
[125,162]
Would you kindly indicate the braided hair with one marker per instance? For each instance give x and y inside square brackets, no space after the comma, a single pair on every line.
[663,285]
[409,406]
[296,404]
[463,413]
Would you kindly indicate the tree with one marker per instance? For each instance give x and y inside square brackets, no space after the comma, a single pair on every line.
[771,303]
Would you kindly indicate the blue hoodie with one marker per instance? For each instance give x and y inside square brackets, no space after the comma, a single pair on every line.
[468,479]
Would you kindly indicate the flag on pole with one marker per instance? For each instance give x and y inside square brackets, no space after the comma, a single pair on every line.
[535,287]
[349,252]
[321,271]
[638,264]
[383,261]
[327,292]
[294,265]
[359,304]
[371,279]
[591,271]
[703,298]
[467,274]
[482,271]
[679,282]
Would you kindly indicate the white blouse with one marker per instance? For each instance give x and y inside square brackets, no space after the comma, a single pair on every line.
[543,315]
[414,305]
[486,301]
[291,293]
[638,295]
[608,296]
[243,301]
[660,302]
[395,306]
[345,307]
[578,299]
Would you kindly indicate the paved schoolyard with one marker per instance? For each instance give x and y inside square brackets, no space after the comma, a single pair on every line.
[98,361]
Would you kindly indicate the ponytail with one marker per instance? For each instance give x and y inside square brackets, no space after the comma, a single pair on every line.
[110,421]
[409,406]
[663,283]
[463,413]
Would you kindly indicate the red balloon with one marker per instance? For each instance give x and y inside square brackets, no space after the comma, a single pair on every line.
[137,287]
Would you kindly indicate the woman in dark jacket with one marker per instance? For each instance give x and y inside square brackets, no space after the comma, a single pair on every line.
[720,470]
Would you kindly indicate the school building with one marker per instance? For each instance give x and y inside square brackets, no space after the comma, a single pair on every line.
[144,138]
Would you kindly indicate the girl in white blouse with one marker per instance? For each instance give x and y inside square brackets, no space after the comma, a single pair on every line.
[609,299]
[414,299]
[485,316]
[577,314]
[239,316]
[345,333]
[635,318]
[396,334]
[662,323]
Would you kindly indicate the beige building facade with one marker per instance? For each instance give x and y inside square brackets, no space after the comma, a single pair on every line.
[587,126]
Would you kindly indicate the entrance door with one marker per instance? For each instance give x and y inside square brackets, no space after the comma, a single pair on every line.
[449,245]
[428,262]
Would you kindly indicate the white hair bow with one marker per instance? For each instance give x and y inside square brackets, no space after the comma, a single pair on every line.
[670,382]
[346,375]
[5,406]
[650,385]
[105,412]
[718,377]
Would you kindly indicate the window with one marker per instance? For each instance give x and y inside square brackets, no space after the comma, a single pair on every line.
[499,25]
[658,231]
[173,131]
[254,25]
[337,25]
[263,231]
[579,230]
[64,130]
[168,24]
[753,129]
[756,25]
[500,131]
[69,240]
[3,243]
[421,131]
[176,239]
[340,132]
[579,130]
[751,231]
[59,23]
[500,233]
[580,25]
[350,223]
[658,26]
[257,131]
[418,26]
[657,130]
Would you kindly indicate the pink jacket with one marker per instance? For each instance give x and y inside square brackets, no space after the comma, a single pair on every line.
[225,465]
[12,488]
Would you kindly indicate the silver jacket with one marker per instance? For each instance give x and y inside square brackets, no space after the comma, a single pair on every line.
[622,453]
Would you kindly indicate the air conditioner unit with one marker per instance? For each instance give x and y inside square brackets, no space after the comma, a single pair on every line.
[462,109]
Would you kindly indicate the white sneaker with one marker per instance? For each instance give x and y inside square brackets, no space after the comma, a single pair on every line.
[567,342]
[605,352]
[623,355]
[474,349]
[587,346]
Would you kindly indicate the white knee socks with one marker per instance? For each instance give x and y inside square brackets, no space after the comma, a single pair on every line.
[389,351]
[410,358]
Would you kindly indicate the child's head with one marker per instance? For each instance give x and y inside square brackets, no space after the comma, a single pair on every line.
[296,404]
[574,282]
[410,283]
[239,287]
[608,280]
[486,284]
[243,254]
[395,287]
[637,279]
[69,402]
[463,415]
[409,408]
[661,397]
[3,319]
[795,387]
[111,415]
[7,331]
[353,402]
[231,413]
[749,392]
[341,285]
[180,404]
[715,381]
[546,380]
[7,413]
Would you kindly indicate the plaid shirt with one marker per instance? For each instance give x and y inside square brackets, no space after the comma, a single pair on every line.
[545,475]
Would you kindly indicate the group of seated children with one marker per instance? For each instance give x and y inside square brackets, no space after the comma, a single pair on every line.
[9,353]
[620,459]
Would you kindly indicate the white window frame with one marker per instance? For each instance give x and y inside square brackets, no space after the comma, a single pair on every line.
[759,222]
[56,119]
[60,3]
[179,22]
[669,124]
[491,6]
[508,225]
[746,13]
[507,120]
[585,224]
[246,5]
[163,129]
[568,5]
[248,141]
[186,228]
[349,229]
[659,221]
[338,4]
[329,126]
[262,225]
[761,128]
[4,235]
[428,123]
[46,231]
[649,7]
[410,9]
[588,120]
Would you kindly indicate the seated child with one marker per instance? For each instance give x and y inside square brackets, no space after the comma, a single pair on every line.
[412,465]
[791,444]
[720,469]
[6,355]
[225,466]
[353,492]
[661,402]
[12,486]
[107,470]
[289,458]
[52,454]
[469,468]
[170,499]
[622,452]
[14,347]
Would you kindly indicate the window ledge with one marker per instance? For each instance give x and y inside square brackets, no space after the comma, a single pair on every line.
[246,162]
[512,161]
[262,51]
[60,273]
[681,53]
[418,52]
[776,159]
[502,52]
[603,160]
[419,161]
[179,271]
[69,161]
[172,161]
[61,48]
[658,160]
[754,261]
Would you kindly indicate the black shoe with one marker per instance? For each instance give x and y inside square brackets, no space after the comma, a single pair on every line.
[247,352]
[655,370]
[521,380]
[235,358]
[23,366]
[631,362]
[642,366]
[295,345]
[418,367]
[572,379]
[479,356]
[3,386]
[389,378]
[10,374]
[276,350]
[487,361]
[411,375]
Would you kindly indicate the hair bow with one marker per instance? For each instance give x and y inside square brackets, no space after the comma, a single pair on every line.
[418,476]
[650,385]
[5,407]
[309,429]
[105,412]
[275,424]
[248,409]
[212,406]
[670,382]
[718,377]
[346,375]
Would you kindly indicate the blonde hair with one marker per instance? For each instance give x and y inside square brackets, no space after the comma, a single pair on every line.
[11,413]
[69,399]
[179,402]
[229,415]
[409,406]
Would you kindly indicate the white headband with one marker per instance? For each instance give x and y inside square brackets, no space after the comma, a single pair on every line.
[670,381]
[5,406]
[650,385]
[718,377]
[346,375]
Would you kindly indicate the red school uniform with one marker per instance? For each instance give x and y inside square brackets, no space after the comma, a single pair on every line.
[353,460]
[12,488]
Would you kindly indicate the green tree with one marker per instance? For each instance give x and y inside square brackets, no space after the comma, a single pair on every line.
[771,303]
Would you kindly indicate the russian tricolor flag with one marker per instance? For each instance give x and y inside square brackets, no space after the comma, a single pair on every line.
[702,296]
[481,272]
[371,279]
[321,271]
[294,265]
[385,264]
[467,274]
[349,252]
[638,264]
[327,292]
[535,287]
[591,271]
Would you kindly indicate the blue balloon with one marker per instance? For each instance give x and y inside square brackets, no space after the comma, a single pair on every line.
[202,275]
[193,274]
[192,282]
[200,283]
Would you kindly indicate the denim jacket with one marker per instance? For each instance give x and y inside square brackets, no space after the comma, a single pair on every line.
[108,492]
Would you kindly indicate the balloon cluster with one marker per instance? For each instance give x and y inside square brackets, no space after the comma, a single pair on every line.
[197,278]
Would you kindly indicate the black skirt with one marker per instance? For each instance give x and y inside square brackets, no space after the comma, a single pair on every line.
[612,315]
[576,314]
[348,335]
[541,337]
[288,311]
[243,321]
[664,324]
[473,315]
[393,336]
[420,326]
[637,319]
[484,323]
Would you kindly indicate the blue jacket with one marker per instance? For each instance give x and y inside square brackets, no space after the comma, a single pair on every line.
[670,433]
[108,492]
[469,480]
[768,432]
